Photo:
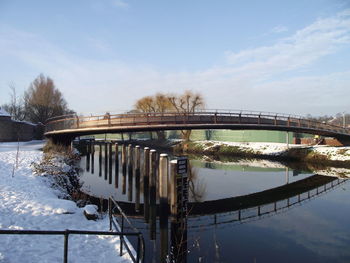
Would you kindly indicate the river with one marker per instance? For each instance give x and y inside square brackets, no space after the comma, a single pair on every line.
[239,211]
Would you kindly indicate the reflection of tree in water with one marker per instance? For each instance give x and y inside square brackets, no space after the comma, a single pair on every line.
[196,185]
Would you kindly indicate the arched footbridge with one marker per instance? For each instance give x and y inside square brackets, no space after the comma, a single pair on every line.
[64,128]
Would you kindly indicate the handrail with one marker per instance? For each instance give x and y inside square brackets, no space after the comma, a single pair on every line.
[171,117]
[66,234]
[140,250]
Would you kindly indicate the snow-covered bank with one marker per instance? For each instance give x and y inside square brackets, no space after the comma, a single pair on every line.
[335,155]
[28,202]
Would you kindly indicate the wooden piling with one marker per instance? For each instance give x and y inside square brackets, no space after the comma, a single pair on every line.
[100,161]
[163,206]
[110,168]
[116,167]
[106,160]
[152,194]
[173,188]
[124,169]
[130,172]
[137,177]
[92,156]
[146,184]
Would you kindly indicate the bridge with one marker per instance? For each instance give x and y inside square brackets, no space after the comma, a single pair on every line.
[64,129]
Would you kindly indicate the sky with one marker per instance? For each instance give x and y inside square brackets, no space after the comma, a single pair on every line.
[275,56]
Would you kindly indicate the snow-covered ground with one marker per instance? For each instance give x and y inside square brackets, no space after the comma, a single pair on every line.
[28,202]
[333,153]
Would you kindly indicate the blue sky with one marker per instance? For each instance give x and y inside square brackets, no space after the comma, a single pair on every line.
[279,56]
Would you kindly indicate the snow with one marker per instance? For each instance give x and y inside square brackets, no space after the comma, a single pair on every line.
[6,114]
[333,153]
[27,202]
[90,209]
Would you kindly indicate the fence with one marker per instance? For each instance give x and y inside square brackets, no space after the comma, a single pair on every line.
[139,250]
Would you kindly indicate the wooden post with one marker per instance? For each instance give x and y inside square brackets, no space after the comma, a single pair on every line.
[130,172]
[173,190]
[146,165]
[87,160]
[163,206]
[116,170]
[163,181]
[106,160]
[124,169]
[152,194]
[92,157]
[110,168]
[100,161]
[137,177]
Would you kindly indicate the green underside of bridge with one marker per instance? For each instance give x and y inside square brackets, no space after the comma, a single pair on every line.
[215,135]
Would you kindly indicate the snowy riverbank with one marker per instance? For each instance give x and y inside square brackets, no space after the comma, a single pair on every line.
[28,202]
[328,155]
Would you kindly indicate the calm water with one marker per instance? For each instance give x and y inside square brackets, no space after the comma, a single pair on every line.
[245,211]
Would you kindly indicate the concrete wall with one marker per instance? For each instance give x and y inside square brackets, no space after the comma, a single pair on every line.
[13,130]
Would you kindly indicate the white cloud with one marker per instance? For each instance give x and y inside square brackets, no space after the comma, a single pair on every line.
[120,3]
[279,29]
[247,81]
[297,51]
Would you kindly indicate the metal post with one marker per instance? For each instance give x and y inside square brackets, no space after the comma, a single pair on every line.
[121,237]
[66,235]
[110,213]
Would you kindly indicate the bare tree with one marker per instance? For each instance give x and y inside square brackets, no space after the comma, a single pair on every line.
[158,103]
[42,100]
[187,103]
[16,106]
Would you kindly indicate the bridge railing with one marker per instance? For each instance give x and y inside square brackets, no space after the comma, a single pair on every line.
[203,116]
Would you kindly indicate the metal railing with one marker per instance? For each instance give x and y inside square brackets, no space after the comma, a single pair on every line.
[119,226]
[66,234]
[139,250]
[234,117]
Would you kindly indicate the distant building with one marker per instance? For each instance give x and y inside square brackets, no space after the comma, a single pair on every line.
[12,130]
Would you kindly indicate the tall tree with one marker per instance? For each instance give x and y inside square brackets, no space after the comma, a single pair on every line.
[42,100]
[158,103]
[187,103]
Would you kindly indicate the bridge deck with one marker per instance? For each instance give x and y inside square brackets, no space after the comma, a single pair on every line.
[77,126]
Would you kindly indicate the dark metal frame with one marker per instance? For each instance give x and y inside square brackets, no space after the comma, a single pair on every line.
[119,226]
[139,250]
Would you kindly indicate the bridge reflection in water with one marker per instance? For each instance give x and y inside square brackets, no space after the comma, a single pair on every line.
[124,169]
